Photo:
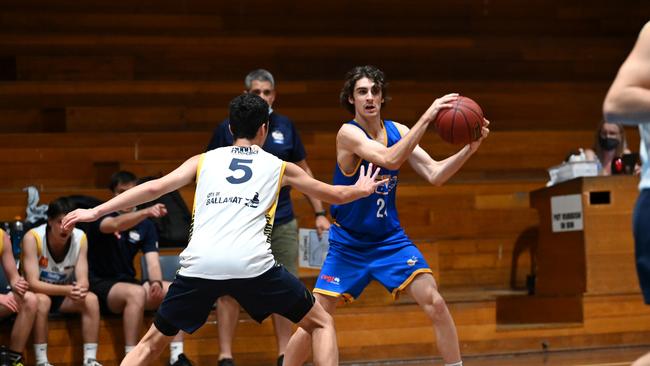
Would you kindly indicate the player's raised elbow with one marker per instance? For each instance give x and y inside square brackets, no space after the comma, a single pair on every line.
[612,110]
[436,181]
[387,160]
[435,176]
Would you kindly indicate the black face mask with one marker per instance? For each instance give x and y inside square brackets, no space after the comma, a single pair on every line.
[608,143]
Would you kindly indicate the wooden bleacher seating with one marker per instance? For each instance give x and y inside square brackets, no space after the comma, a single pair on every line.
[91,87]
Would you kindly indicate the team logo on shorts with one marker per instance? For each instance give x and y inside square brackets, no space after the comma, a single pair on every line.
[134,236]
[412,261]
[333,280]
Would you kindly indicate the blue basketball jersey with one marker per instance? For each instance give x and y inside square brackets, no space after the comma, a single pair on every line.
[373,219]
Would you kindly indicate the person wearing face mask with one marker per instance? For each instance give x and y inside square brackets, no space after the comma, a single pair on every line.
[609,144]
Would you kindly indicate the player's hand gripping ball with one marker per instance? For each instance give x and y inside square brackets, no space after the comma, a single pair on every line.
[460,124]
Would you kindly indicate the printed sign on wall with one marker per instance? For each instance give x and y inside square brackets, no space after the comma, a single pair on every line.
[312,249]
[566,213]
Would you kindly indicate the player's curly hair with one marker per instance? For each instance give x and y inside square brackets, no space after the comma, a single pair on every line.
[360,72]
[247,113]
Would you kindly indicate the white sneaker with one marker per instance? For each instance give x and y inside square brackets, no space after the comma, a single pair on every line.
[91,362]
[44,364]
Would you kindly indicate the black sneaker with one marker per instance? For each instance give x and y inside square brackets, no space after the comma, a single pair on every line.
[182,361]
[280,360]
[226,362]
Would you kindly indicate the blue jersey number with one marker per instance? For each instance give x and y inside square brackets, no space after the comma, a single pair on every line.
[240,164]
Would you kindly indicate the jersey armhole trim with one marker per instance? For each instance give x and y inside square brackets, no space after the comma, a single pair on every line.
[354,172]
[383,127]
[39,242]
[199,166]
[271,211]
[83,241]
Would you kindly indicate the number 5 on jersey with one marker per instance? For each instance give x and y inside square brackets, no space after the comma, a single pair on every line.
[240,164]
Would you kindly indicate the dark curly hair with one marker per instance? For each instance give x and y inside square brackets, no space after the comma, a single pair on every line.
[357,73]
[247,113]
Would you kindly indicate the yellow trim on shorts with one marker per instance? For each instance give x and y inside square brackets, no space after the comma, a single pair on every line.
[408,281]
[2,240]
[346,296]
[383,127]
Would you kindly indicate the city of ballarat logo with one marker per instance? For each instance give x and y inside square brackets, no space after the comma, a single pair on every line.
[215,198]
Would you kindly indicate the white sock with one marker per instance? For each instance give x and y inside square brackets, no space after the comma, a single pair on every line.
[90,351]
[459,363]
[128,349]
[41,353]
[175,349]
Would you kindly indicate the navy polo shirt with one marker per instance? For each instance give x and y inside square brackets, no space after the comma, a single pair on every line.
[282,141]
[112,258]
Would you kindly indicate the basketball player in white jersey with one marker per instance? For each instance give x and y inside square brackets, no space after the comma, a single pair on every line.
[229,252]
[15,300]
[56,267]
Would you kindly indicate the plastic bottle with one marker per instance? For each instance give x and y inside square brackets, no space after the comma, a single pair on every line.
[17,233]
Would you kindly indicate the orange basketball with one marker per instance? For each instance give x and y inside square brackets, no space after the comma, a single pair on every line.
[460,124]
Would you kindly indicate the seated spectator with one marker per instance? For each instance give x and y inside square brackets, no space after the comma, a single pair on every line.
[18,301]
[609,143]
[56,266]
[114,241]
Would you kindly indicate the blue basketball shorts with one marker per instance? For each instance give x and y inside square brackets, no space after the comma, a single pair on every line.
[349,269]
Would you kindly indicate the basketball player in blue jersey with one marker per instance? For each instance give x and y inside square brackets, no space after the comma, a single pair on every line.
[229,251]
[367,241]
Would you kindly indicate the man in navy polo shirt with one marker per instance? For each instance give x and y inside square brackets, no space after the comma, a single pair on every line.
[113,242]
[284,142]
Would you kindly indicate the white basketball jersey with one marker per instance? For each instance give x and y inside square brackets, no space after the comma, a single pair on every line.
[234,206]
[57,272]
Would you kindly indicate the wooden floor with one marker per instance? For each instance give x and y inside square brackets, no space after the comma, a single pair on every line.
[602,357]
[599,357]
